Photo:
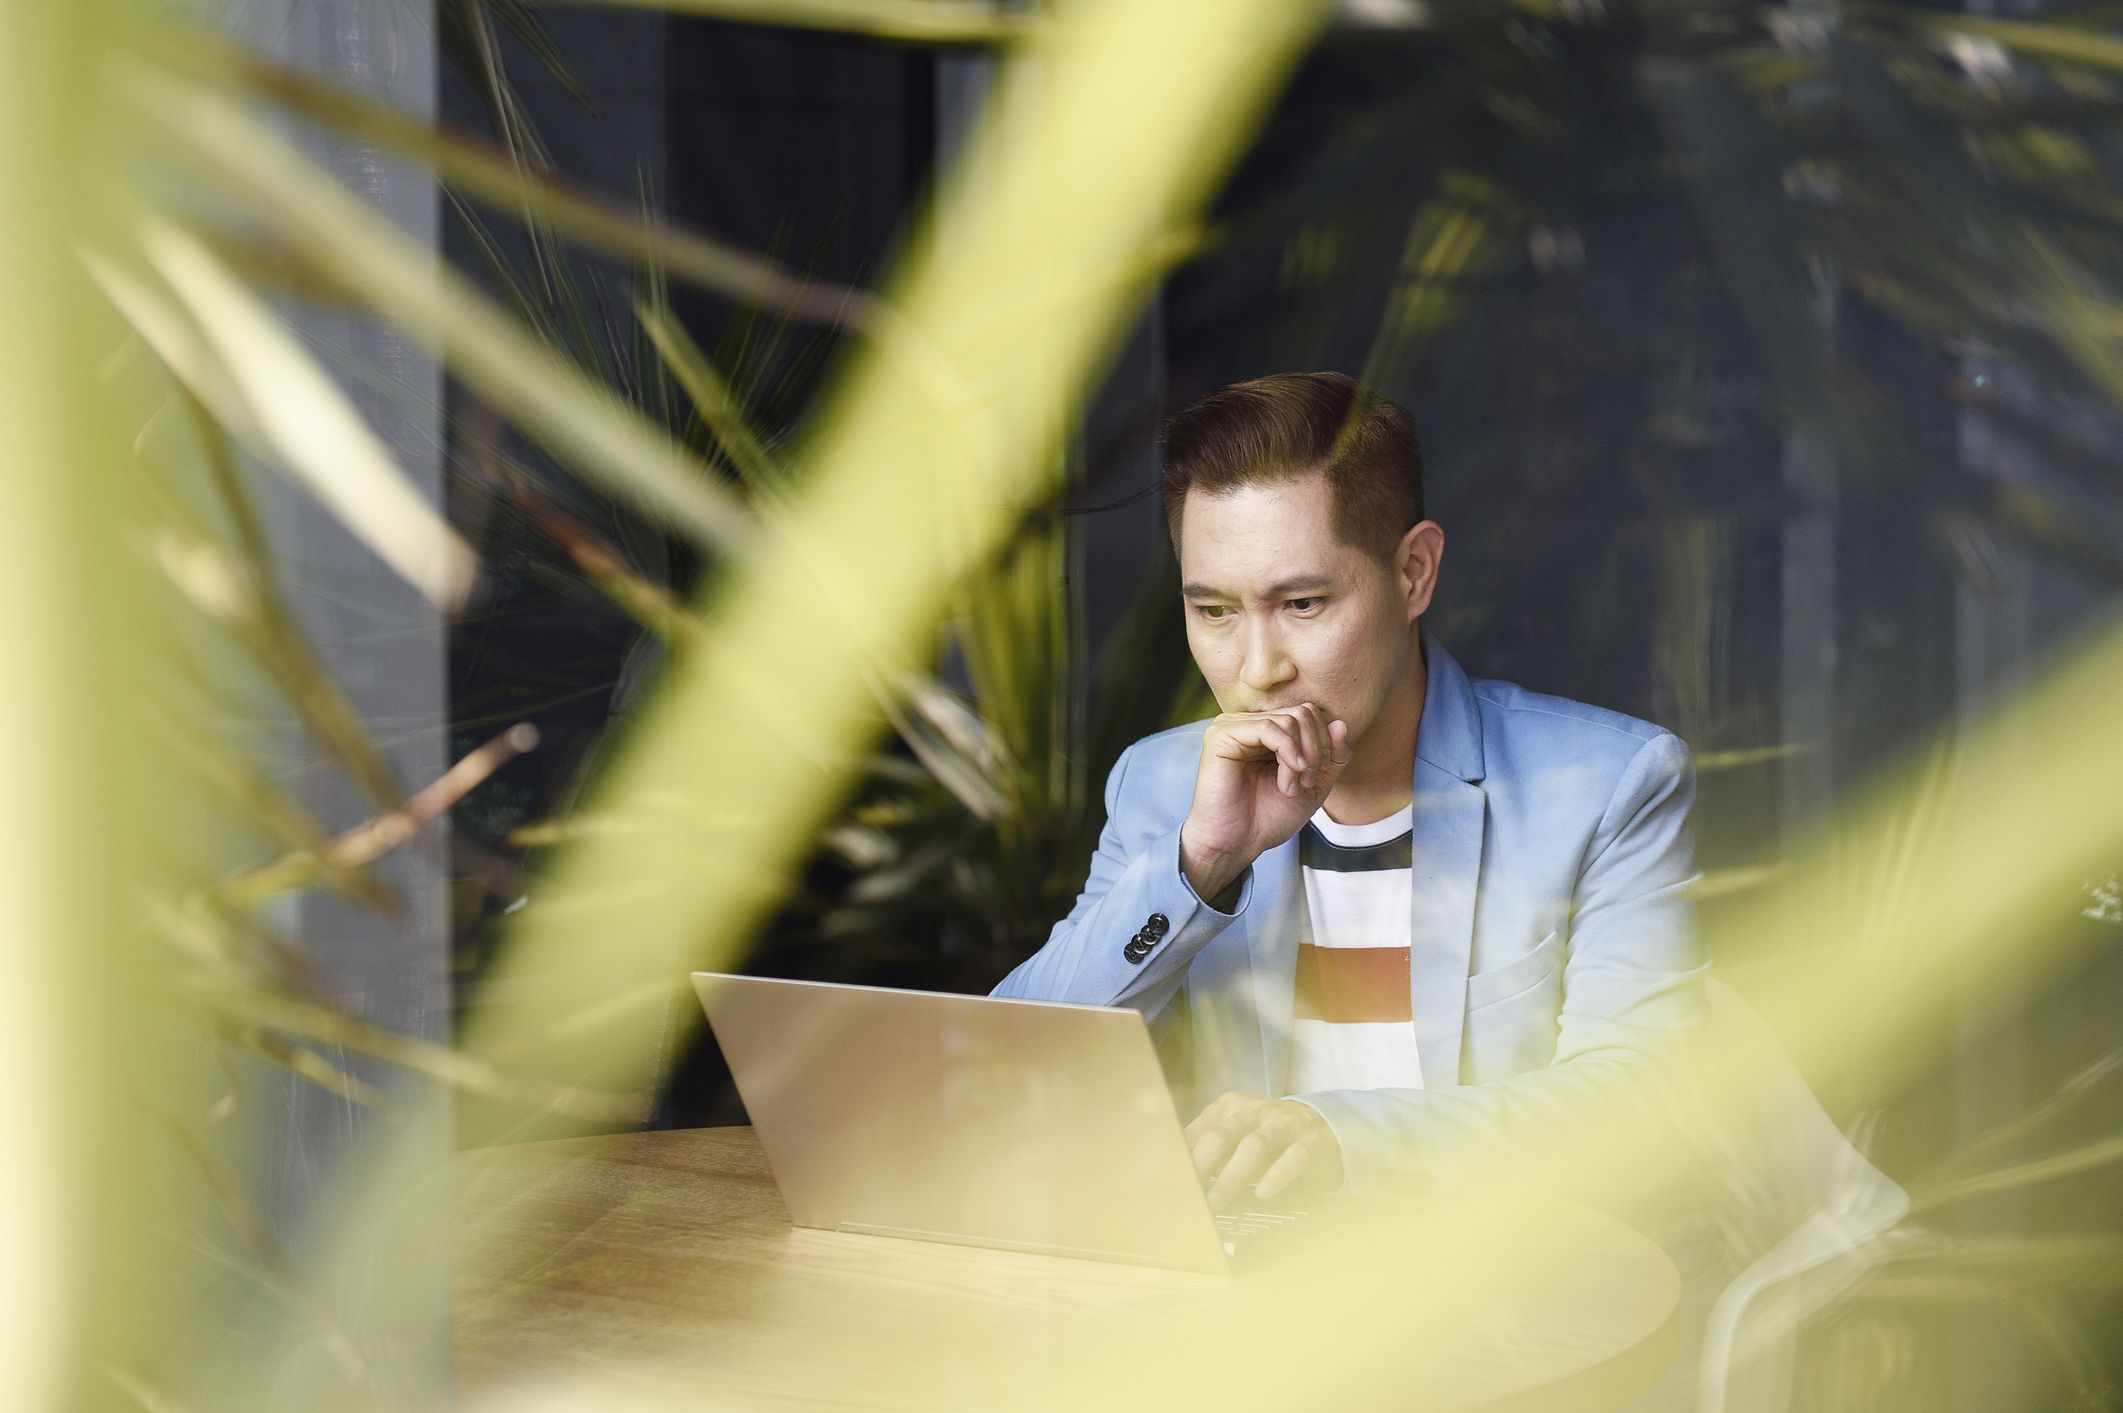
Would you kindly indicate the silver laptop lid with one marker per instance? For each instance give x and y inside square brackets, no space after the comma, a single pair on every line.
[1027,1125]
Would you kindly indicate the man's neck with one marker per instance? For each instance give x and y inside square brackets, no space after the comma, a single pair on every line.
[1380,776]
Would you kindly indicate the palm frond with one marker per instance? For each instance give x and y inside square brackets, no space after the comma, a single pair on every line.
[494,354]
[910,21]
[309,424]
[713,400]
[516,181]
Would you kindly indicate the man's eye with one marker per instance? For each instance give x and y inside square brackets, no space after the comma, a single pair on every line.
[1304,605]
[1211,611]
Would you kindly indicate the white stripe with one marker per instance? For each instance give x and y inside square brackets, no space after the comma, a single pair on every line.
[1380,831]
[1353,1055]
[1356,910]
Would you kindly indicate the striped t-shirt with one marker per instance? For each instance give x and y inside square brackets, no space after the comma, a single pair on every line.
[1353,1026]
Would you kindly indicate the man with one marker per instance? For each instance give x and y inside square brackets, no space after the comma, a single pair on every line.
[1396,917]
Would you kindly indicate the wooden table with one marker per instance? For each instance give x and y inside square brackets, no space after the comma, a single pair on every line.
[653,1263]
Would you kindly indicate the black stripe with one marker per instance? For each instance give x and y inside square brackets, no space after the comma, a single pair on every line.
[1316,850]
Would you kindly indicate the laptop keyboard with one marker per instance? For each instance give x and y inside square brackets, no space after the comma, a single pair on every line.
[1243,1230]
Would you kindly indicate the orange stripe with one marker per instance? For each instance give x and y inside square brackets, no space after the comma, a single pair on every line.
[1352,984]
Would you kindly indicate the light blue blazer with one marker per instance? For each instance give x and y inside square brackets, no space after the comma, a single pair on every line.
[1552,950]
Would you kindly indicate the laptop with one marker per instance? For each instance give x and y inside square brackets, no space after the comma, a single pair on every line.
[983,1121]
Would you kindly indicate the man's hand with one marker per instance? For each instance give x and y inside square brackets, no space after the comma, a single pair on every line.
[1262,774]
[1248,1148]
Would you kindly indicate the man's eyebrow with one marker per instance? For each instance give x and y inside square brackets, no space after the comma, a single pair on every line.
[1304,583]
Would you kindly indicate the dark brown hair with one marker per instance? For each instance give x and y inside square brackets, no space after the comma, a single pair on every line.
[1288,425]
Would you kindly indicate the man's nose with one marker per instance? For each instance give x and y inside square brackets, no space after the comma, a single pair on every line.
[1265,667]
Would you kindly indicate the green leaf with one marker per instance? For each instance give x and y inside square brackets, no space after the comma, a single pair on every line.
[951,743]
[315,1068]
[399,279]
[2051,41]
[260,617]
[510,180]
[917,21]
[264,804]
[712,398]
[528,28]
[265,1012]
[2070,1163]
[310,425]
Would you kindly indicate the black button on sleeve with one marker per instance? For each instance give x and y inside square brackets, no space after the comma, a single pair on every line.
[1157,925]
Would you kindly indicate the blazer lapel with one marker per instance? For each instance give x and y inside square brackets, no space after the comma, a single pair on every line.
[1451,812]
[1446,864]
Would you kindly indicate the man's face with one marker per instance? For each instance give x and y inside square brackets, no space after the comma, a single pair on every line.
[1280,612]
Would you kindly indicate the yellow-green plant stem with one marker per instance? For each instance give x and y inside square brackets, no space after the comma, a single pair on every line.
[85,1186]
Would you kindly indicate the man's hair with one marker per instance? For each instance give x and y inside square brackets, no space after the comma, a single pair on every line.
[1288,425]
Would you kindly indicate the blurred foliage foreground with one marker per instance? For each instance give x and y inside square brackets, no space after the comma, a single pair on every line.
[142,168]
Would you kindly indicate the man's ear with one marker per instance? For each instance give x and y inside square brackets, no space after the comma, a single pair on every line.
[1422,554]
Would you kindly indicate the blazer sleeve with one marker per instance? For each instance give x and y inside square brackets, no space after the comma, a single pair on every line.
[1135,879]
[1632,989]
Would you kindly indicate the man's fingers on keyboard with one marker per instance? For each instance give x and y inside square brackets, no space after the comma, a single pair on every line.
[1210,1144]
[1243,1168]
[1285,1170]
[1218,1128]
